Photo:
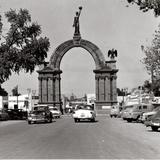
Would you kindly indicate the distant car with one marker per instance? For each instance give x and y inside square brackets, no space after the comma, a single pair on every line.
[114,112]
[56,113]
[134,113]
[125,110]
[40,114]
[84,112]
[146,116]
[3,115]
[154,122]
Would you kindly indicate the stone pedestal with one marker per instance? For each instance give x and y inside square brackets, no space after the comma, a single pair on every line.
[106,89]
[49,87]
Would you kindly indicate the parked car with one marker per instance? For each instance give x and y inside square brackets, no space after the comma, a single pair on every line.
[56,113]
[17,114]
[40,113]
[125,110]
[115,111]
[134,113]
[3,115]
[146,116]
[154,122]
[84,112]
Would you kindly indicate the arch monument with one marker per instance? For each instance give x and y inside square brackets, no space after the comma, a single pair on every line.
[105,74]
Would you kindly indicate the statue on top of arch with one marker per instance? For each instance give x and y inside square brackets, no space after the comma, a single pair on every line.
[76,22]
[112,53]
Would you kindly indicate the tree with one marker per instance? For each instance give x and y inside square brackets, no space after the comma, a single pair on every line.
[146,5]
[3,92]
[15,91]
[147,86]
[21,48]
[122,92]
[152,56]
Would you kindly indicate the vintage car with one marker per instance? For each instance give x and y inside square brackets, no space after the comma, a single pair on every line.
[154,122]
[40,113]
[17,114]
[84,112]
[134,113]
[3,115]
[115,111]
[146,116]
[125,110]
[56,113]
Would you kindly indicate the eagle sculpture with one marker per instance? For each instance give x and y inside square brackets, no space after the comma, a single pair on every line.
[112,53]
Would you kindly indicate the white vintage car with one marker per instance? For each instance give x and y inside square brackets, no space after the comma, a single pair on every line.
[56,113]
[84,112]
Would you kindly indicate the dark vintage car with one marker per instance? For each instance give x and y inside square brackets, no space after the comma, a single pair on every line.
[154,122]
[41,114]
[16,114]
[3,115]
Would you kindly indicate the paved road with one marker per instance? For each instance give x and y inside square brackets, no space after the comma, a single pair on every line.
[107,138]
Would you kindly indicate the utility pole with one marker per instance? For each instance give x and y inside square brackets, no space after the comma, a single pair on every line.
[17,95]
[152,79]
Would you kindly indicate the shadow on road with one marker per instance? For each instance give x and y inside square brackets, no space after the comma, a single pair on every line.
[85,121]
[153,131]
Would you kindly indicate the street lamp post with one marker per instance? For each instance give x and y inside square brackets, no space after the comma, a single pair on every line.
[33,93]
[124,90]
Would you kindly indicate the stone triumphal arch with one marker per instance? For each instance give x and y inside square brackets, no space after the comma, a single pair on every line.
[105,74]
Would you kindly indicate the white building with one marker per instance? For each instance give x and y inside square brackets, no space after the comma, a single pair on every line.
[91,98]
[18,102]
[3,102]
[24,102]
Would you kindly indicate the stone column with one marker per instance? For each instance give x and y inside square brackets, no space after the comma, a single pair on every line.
[50,89]
[44,90]
[57,92]
[114,90]
[40,89]
[97,87]
[107,88]
[101,89]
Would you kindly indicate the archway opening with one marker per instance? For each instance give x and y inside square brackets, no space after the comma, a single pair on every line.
[77,78]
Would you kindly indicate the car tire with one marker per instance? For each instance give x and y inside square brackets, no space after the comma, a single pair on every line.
[154,128]
[93,120]
[50,121]
[111,116]
[129,120]
[75,120]
[29,122]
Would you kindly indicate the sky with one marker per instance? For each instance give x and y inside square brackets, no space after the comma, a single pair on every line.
[106,23]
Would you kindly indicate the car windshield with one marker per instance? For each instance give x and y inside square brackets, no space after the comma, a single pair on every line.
[157,114]
[37,112]
[156,109]
[86,107]
[126,107]
[54,109]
